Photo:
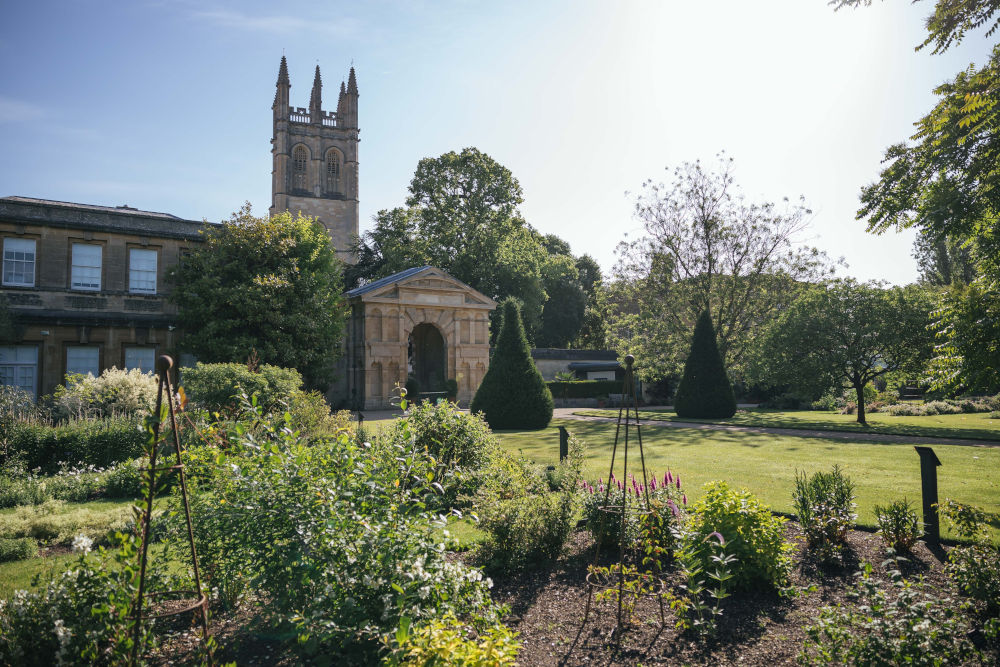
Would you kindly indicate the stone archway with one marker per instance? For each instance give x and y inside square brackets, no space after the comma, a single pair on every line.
[426,357]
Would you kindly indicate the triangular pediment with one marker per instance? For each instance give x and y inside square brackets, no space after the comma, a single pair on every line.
[422,285]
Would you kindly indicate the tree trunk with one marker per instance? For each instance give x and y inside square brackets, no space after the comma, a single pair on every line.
[860,389]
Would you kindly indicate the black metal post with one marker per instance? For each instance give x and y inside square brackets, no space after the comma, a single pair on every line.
[563,443]
[928,485]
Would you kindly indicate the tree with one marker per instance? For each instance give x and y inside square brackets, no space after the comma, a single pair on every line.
[562,315]
[947,184]
[591,335]
[845,334]
[265,284]
[513,393]
[704,391]
[943,261]
[461,216]
[704,248]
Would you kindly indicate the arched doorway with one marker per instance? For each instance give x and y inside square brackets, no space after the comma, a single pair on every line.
[425,350]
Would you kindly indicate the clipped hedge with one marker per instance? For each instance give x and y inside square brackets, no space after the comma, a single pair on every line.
[584,388]
[705,391]
[97,442]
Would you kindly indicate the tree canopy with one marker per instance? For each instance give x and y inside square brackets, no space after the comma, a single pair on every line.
[266,284]
[704,248]
[844,334]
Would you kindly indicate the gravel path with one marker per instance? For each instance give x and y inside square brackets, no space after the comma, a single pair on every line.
[568,413]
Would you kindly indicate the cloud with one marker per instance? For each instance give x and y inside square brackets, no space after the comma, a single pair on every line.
[16,111]
[341,28]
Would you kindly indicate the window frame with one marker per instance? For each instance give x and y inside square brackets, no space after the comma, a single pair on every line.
[132,289]
[145,348]
[73,265]
[97,363]
[34,261]
[15,364]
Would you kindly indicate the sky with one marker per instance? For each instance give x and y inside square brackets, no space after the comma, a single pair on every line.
[166,105]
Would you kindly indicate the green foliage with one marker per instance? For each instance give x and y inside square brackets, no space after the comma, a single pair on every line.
[337,534]
[451,388]
[114,393]
[584,388]
[56,523]
[18,548]
[835,335]
[562,315]
[270,285]
[975,568]
[80,617]
[751,533]
[699,604]
[966,326]
[898,525]
[513,393]
[824,504]
[704,391]
[97,442]
[666,499]
[705,248]
[72,484]
[904,626]
[446,642]
[218,387]
[526,532]
[943,261]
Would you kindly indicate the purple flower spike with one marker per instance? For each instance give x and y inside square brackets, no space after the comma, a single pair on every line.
[652,484]
[719,537]
[684,499]
[678,482]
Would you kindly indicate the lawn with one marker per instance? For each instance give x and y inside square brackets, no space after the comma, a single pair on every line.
[977,426]
[766,464]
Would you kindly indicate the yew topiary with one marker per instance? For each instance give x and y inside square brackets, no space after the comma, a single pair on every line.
[704,391]
[513,393]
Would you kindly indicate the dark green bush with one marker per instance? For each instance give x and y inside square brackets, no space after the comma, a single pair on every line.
[898,525]
[125,479]
[752,533]
[526,531]
[18,548]
[451,388]
[513,393]
[584,388]
[97,442]
[705,391]
[453,437]
[825,506]
[217,387]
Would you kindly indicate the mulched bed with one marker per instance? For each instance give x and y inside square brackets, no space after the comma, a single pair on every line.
[547,607]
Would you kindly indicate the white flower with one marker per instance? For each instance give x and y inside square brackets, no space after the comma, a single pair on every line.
[82,544]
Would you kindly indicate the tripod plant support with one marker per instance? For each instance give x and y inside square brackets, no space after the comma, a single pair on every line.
[200,604]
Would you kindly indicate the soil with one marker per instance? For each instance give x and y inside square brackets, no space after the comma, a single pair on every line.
[547,609]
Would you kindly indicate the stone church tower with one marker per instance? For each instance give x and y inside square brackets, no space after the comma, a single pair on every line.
[315,159]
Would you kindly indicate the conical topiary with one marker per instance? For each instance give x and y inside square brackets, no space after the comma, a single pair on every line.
[705,391]
[513,393]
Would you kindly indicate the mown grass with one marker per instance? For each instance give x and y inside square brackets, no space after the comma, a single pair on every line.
[976,426]
[766,464]
[21,574]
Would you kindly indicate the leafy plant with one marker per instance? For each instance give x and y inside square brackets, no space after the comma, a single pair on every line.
[975,568]
[825,506]
[527,531]
[218,387]
[907,626]
[699,605]
[751,532]
[623,584]
[98,442]
[18,548]
[898,525]
[666,497]
[446,642]
[114,393]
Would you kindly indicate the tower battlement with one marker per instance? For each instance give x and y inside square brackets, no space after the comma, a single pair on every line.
[315,158]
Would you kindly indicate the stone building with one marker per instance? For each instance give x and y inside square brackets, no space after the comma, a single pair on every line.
[315,158]
[87,284]
[420,322]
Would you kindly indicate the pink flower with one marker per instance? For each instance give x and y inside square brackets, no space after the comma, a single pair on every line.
[678,482]
[652,484]
[684,499]
[719,537]
[668,478]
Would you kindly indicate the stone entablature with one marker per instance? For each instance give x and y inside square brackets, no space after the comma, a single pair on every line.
[385,314]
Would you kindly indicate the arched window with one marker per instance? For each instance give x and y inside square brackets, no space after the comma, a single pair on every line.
[332,172]
[299,159]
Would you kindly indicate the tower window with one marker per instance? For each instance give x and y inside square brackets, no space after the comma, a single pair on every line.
[299,159]
[333,172]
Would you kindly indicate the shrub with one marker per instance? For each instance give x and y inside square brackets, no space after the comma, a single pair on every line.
[447,643]
[526,531]
[751,532]
[18,548]
[995,415]
[975,568]
[218,387]
[451,436]
[451,388]
[513,393]
[584,388]
[666,497]
[114,393]
[97,442]
[825,506]
[898,525]
[125,479]
[826,402]
[310,414]
[705,391]
[908,627]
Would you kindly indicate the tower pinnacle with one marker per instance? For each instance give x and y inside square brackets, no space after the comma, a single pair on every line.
[316,99]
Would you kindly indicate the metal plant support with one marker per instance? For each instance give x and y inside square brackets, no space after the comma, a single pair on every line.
[200,604]
[618,513]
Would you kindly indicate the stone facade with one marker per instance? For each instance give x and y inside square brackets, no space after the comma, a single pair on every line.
[315,159]
[385,316]
[88,285]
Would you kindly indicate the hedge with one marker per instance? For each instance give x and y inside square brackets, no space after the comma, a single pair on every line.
[584,388]
[97,442]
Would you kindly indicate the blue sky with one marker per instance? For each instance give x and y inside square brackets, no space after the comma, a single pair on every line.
[166,105]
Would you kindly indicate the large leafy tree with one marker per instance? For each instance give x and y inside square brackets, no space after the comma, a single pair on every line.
[265,284]
[946,182]
[705,248]
[564,309]
[591,335]
[845,334]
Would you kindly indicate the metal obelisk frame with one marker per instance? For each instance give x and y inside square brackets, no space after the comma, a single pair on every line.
[200,604]
[628,411]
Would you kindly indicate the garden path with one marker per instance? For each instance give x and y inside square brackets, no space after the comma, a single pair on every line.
[569,413]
